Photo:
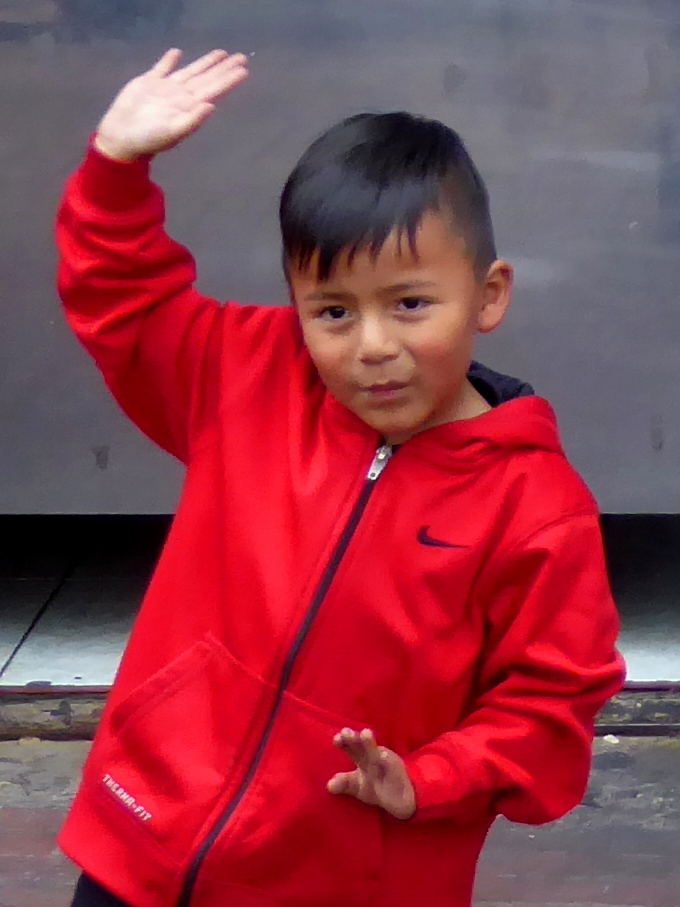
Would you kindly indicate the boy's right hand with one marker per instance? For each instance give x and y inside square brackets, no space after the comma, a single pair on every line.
[160,108]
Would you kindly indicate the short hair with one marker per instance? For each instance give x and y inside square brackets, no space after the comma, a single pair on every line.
[374,173]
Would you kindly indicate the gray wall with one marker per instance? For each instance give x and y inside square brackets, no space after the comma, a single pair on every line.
[570,107]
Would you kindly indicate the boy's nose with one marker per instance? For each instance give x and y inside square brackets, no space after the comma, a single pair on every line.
[376,342]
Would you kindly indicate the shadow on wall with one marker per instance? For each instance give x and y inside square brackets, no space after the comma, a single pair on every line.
[82,20]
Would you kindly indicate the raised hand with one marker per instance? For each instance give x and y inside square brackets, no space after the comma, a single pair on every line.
[159,109]
[380,777]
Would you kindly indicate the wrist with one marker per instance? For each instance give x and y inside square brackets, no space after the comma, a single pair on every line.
[406,810]
[113,151]
[114,185]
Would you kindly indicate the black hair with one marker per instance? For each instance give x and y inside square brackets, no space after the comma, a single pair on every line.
[372,174]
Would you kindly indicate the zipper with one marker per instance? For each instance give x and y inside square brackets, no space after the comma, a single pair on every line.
[380,460]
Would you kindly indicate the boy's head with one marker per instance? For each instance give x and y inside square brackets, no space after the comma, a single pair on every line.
[389,253]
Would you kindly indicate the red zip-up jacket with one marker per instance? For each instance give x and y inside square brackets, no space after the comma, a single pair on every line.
[457,604]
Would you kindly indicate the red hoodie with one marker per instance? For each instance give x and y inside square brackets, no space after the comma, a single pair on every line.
[457,604]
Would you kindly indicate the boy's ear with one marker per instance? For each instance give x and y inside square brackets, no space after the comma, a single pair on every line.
[496,291]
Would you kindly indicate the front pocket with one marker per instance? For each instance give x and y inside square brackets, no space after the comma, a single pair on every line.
[289,838]
[171,747]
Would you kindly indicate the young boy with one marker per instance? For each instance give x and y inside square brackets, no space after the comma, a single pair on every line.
[382,616]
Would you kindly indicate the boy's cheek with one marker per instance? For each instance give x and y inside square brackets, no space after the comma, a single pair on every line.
[325,355]
[333,374]
[443,358]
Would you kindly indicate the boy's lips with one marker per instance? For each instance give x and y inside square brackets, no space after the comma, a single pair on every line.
[384,389]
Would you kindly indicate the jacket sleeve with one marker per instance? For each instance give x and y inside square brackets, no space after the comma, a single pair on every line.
[127,289]
[549,666]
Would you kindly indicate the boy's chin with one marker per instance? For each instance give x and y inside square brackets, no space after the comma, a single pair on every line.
[393,431]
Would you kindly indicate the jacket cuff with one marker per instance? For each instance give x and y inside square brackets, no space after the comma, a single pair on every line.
[444,790]
[114,185]
[435,783]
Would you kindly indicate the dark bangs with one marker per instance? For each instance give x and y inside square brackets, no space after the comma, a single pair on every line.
[373,174]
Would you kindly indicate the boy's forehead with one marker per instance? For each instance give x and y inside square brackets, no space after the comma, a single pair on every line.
[433,246]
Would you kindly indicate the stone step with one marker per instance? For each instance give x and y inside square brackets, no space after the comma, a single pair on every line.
[73,714]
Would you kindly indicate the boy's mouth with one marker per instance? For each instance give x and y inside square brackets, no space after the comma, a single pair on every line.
[384,389]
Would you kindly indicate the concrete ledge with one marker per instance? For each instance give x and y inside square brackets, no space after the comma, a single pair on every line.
[53,715]
[639,713]
[73,713]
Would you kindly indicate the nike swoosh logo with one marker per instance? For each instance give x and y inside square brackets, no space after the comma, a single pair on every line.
[425,538]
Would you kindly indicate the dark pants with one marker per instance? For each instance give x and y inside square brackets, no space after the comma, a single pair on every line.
[90,894]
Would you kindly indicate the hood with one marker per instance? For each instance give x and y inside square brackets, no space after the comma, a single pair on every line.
[518,421]
[495,387]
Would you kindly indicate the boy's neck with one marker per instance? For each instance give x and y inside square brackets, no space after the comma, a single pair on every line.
[470,405]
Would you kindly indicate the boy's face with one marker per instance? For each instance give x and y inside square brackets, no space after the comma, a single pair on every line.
[392,337]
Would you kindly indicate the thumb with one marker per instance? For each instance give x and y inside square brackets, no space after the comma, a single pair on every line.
[345,783]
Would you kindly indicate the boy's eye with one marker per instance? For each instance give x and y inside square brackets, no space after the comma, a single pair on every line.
[413,303]
[333,312]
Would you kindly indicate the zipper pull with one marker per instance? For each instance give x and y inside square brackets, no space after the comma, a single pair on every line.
[380,460]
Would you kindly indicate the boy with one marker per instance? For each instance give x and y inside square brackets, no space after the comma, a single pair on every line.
[382,616]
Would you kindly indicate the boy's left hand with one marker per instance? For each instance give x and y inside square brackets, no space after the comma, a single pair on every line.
[380,778]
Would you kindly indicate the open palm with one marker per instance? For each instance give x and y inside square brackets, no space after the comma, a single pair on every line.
[157,110]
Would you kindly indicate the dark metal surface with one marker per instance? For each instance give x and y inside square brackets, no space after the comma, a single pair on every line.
[571,109]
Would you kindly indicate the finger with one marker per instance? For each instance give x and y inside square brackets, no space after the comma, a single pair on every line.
[167,62]
[238,59]
[348,783]
[204,63]
[221,69]
[213,86]
[194,119]
[368,738]
[348,740]
[351,739]
[360,747]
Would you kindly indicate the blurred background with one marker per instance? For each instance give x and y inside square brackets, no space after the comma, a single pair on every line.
[571,108]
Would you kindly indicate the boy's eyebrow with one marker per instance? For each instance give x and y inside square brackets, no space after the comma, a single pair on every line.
[323,295]
[407,285]
[404,287]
